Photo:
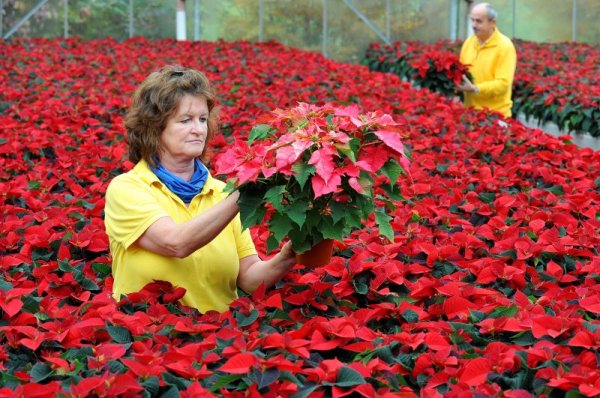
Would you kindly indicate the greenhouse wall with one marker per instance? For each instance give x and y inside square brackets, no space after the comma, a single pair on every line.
[340,29]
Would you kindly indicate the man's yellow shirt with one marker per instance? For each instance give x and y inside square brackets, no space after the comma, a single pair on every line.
[492,65]
[137,199]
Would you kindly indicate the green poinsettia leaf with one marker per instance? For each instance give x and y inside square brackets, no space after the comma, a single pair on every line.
[383,222]
[252,210]
[40,371]
[392,170]
[348,377]
[331,230]
[272,243]
[347,151]
[119,334]
[280,226]
[297,212]
[504,312]
[300,240]
[338,211]
[260,132]
[275,196]
[353,220]
[354,145]
[302,172]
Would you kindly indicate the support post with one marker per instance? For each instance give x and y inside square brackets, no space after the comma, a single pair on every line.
[180,21]
[66,18]
[574,22]
[1,12]
[197,20]
[453,20]
[325,27]
[514,18]
[469,30]
[131,19]
[388,11]
[261,14]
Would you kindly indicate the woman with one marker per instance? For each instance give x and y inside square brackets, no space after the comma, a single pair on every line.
[167,218]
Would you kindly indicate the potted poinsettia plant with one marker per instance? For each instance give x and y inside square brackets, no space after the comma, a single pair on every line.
[315,173]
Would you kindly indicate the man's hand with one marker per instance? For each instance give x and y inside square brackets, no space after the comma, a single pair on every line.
[467,86]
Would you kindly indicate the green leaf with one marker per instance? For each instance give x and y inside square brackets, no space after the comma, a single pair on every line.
[244,320]
[39,372]
[338,211]
[279,314]
[280,226]
[392,170]
[556,189]
[101,269]
[224,380]
[88,284]
[348,377]
[172,392]
[383,222]
[353,220]
[119,334]
[524,338]
[297,212]
[33,185]
[410,316]
[266,378]
[275,196]
[4,285]
[360,287]
[272,243]
[260,132]
[252,211]
[487,197]
[151,385]
[175,381]
[302,171]
[306,390]
[347,152]
[330,230]
[500,312]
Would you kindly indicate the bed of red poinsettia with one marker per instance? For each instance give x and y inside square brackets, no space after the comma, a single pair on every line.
[490,286]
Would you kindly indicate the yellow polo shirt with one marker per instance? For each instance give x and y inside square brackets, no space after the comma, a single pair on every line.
[492,65]
[137,199]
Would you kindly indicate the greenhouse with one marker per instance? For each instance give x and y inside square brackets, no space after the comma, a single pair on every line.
[169,169]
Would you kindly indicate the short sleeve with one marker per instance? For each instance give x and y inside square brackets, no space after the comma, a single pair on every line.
[130,209]
[243,239]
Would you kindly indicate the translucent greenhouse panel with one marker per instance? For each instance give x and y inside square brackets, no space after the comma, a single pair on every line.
[92,19]
[543,20]
[155,19]
[45,22]
[348,36]
[294,23]
[426,20]
[227,19]
[587,27]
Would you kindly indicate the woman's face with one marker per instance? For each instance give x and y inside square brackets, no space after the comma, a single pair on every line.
[184,137]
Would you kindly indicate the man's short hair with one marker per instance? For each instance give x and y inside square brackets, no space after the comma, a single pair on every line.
[491,12]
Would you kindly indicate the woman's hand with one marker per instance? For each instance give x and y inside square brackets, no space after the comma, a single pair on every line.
[254,271]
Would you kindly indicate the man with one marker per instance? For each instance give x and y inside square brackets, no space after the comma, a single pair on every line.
[492,61]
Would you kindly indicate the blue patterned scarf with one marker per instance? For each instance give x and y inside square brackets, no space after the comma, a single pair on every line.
[186,190]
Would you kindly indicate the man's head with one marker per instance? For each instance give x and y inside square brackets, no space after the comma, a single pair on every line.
[483,19]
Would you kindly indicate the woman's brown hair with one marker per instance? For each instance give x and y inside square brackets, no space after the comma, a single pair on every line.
[155,100]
